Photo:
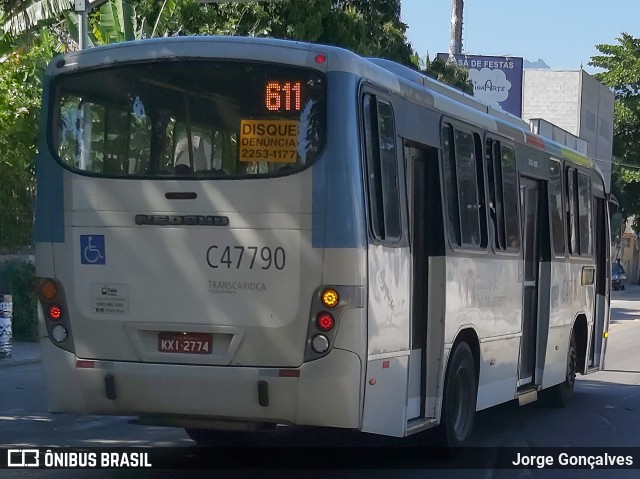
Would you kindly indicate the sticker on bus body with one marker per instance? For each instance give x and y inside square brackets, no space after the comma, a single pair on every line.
[92,249]
[269,140]
[110,298]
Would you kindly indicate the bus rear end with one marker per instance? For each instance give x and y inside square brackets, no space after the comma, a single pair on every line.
[180,243]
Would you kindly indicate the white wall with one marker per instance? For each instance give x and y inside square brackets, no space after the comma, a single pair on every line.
[553,96]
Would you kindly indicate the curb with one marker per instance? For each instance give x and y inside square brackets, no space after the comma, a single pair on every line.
[8,363]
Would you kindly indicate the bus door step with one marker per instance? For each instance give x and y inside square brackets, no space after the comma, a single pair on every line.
[527,394]
[420,424]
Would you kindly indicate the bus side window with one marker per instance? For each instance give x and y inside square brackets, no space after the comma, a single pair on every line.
[555,207]
[464,186]
[451,185]
[482,197]
[467,189]
[382,169]
[496,201]
[571,193]
[585,229]
[510,195]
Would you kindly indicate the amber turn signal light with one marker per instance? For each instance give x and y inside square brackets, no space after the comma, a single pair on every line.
[48,289]
[330,298]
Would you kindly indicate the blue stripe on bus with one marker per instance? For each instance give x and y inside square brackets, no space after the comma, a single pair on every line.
[338,200]
[49,224]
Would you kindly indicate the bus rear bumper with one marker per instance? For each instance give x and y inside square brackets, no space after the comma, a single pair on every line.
[326,393]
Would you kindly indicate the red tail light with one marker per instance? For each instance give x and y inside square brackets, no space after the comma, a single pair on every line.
[55,312]
[325,322]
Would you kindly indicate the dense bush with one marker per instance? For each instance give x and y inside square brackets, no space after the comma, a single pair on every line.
[17,278]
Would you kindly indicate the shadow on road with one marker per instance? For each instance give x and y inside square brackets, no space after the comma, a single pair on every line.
[625,315]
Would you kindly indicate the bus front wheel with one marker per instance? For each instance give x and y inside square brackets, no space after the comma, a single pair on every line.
[460,394]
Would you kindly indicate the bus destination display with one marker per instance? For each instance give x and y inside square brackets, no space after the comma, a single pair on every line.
[274,140]
[283,96]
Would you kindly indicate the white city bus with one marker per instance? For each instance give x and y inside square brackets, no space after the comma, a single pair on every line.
[235,233]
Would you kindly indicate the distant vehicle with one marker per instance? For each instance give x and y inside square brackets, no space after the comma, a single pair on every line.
[618,277]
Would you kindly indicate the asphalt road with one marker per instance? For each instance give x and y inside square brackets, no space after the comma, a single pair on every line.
[604,413]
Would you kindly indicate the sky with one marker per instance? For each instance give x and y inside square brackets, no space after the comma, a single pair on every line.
[563,33]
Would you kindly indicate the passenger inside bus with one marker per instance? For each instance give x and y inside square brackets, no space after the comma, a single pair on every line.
[199,161]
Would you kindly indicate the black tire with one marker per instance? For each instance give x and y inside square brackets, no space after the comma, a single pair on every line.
[622,287]
[560,395]
[459,401]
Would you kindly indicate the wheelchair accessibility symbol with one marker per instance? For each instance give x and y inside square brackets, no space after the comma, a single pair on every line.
[92,249]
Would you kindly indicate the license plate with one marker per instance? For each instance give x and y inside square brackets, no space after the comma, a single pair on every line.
[185,343]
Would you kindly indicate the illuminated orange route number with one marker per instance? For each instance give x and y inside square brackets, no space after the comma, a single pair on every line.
[283,96]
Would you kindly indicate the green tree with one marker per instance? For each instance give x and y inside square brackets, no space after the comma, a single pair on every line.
[368,27]
[21,21]
[621,63]
[21,75]
[449,73]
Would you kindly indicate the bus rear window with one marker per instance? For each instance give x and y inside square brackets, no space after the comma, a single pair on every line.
[188,119]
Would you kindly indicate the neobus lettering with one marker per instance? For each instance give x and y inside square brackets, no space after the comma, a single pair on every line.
[188,220]
[269,129]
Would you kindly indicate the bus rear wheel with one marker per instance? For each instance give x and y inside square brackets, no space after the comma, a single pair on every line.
[460,394]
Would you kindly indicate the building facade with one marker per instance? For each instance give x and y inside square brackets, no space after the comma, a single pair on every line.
[577,103]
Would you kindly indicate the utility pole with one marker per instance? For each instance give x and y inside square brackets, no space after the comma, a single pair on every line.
[83,8]
[455,44]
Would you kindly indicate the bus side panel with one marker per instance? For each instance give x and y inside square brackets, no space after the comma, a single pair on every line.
[329,391]
[572,299]
[498,370]
[389,320]
[385,406]
[485,294]
[560,316]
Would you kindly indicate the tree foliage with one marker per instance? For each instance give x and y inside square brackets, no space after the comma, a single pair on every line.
[23,15]
[21,75]
[368,27]
[621,63]
[449,73]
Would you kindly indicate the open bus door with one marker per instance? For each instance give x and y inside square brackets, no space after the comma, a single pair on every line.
[605,206]
[427,251]
[530,205]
